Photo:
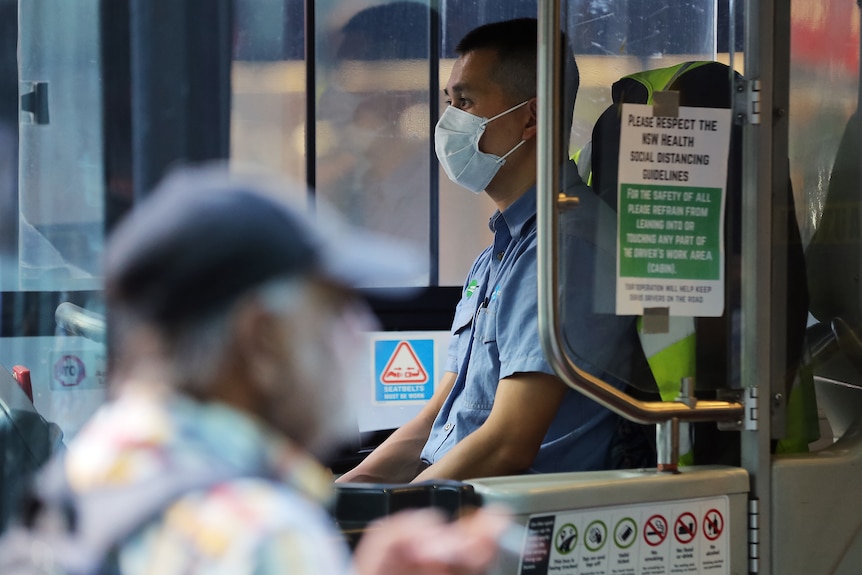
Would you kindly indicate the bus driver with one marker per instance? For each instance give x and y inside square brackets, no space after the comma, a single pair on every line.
[499,409]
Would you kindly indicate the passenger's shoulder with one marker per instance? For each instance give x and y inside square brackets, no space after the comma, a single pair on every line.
[246,505]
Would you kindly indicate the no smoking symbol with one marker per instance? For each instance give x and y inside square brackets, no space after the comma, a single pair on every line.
[685,528]
[69,370]
[655,530]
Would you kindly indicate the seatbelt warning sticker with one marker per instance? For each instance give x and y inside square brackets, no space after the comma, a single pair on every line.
[681,537]
[670,211]
[404,370]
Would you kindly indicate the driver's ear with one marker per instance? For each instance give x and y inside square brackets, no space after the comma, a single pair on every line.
[532,121]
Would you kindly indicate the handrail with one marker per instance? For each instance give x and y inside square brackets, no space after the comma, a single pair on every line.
[76,320]
[549,152]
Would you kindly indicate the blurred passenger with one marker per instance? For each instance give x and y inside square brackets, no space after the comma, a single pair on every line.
[234,332]
[499,408]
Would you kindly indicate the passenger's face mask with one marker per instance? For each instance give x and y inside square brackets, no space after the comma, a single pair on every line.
[456,141]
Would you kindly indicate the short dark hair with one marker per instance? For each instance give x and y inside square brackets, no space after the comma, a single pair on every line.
[516,44]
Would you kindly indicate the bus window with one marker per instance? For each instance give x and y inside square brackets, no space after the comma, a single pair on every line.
[59,213]
[378,68]
[613,39]
[373,118]
[268,84]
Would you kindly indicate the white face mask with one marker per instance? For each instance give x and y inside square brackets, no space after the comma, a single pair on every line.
[456,141]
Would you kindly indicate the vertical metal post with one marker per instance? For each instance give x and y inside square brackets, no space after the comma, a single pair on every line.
[434,54]
[548,149]
[310,100]
[180,62]
[667,445]
[763,323]
[114,24]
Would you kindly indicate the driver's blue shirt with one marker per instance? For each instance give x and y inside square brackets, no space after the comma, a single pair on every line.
[495,332]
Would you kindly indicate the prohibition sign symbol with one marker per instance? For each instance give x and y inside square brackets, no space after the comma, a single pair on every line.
[685,528]
[713,524]
[655,530]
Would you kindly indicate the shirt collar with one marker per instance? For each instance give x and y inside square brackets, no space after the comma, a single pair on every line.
[517,216]
[285,459]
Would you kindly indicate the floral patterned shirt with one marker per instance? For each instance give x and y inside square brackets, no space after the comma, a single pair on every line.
[267,517]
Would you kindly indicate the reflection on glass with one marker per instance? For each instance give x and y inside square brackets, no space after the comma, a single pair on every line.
[824,77]
[612,39]
[62,168]
[373,121]
[599,341]
[825,169]
[825,153]
[52,213]
[268,87]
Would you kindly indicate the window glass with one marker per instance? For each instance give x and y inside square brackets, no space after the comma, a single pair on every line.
[62,213]
[824,84]
[612,38]
[50,275]
[378,70]
[268,81]
[602,333]
[374,111]
[373,118]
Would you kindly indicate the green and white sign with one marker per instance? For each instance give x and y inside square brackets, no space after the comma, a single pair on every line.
[671,198]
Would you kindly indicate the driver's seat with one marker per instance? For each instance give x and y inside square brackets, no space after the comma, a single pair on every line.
[834,263]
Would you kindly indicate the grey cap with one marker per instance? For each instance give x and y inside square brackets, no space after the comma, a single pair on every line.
[204,238]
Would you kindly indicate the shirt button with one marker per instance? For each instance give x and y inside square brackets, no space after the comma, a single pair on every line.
[500,256]
[447,427]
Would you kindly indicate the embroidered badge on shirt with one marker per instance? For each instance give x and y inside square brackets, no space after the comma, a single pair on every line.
[471,288]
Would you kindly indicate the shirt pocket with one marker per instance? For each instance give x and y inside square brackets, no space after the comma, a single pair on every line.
[486,323]
[460,341]
[463,317]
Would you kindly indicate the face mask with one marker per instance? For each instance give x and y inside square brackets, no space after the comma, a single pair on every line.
[456,141]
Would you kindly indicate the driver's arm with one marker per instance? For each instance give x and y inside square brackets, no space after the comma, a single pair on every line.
[525,404]
[396,460]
